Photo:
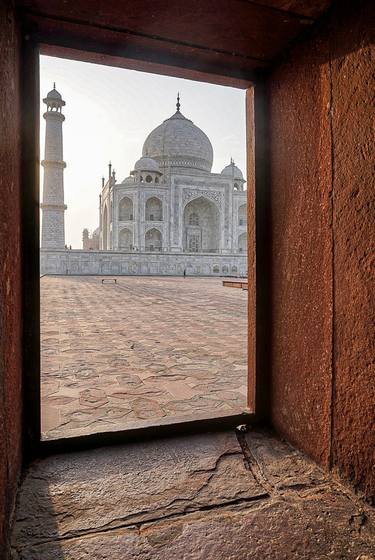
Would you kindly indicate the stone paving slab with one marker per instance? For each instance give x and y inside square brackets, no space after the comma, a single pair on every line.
[143,349]
[115,486]
[302,530]
[209,497]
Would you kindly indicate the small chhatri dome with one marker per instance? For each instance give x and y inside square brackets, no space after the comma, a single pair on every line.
[232,171]
[128,180]
[146,164]
[179,143]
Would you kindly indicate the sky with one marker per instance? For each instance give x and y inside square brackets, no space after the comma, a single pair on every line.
[109,112]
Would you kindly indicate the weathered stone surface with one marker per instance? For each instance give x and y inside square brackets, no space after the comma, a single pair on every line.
[309,527]
[102,489]
[191,498]
[301,258]
[279,464]
[11,409]
[323,219]
[354,252]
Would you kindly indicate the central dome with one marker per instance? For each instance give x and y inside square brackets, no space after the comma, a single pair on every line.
[178,143]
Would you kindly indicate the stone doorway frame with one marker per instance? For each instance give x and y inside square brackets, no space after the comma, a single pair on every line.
[37,39]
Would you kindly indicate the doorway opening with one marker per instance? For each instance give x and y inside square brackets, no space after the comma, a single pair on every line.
[137,325]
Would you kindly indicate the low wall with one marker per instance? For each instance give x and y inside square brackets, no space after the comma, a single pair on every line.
[118,263]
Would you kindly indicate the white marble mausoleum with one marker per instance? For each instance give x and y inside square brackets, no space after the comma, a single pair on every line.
[171,201]
[171,205]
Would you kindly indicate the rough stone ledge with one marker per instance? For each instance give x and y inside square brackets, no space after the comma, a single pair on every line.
[208,496]
[286,529]
[68,495]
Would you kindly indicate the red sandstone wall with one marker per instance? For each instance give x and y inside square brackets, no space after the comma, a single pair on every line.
[321,195]
[302,253]
[353,429]
[10,270]
[322,191]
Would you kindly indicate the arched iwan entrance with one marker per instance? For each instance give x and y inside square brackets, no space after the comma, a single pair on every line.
[153,240]
[201,226]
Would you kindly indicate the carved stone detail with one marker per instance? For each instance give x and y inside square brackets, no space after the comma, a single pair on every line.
[215,196]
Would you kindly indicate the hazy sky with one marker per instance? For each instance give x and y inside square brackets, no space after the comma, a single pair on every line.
[109,113]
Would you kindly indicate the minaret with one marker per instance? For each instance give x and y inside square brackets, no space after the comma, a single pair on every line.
[53,207]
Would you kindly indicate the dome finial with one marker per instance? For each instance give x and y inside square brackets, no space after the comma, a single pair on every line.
[178,102]
[54,85]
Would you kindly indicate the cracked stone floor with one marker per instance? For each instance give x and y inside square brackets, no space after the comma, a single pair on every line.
[139,352]
[215,496]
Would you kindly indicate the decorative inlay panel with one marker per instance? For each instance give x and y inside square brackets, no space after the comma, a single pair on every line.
[190,194]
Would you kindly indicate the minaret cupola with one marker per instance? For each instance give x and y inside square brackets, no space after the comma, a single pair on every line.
[54,101]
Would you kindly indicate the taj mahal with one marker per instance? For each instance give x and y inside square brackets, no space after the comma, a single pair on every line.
[171,214]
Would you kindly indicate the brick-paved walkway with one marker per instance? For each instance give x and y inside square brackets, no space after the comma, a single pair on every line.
[115,356]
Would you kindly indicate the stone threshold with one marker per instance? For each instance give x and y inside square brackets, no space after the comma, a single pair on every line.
[139,430]
[210,496]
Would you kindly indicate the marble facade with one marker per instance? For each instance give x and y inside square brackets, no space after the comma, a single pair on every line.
[171,201]
[77,262]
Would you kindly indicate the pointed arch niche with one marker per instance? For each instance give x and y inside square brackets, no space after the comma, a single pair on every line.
[125,239]
[125,209]
[242,243]
[153,240]
[154,209]
[242,215]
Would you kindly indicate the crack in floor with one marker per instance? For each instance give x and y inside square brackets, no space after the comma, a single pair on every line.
[261,498]
[259,466]
[189,508]
[253,465]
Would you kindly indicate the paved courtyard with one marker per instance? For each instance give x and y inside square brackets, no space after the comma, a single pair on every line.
[143,350]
